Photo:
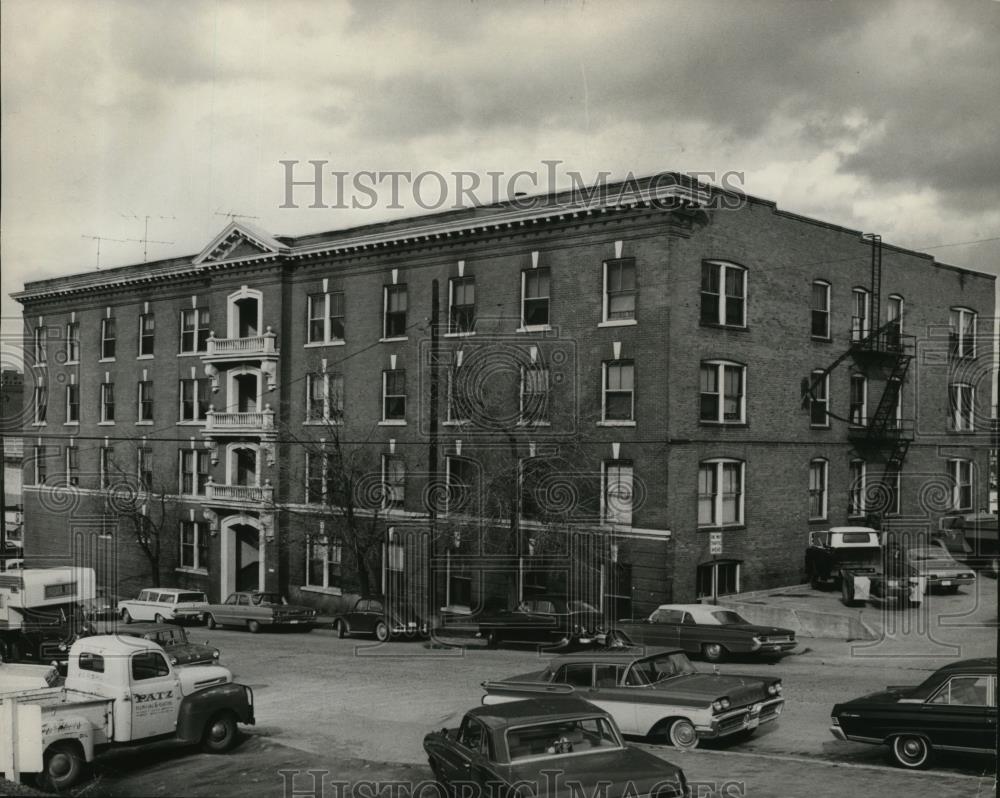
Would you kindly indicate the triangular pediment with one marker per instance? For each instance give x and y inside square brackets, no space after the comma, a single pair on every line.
[239,241]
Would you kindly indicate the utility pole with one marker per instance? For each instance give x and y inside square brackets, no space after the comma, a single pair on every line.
[432,453]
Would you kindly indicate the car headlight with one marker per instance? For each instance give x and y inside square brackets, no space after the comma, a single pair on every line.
[215,654]
[721,705]
[834,720]
[173,660]
[773,689]
[63,647]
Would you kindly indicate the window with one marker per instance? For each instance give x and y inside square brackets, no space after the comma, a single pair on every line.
[144,457]
[535,384]
[315,477]
[41,464]
[860,318]
[107,402]
[461,484]
[145,395]
[619,390]
[892,490]
[324,397]
[718,579]
[894,315]
[535,297]
[323,562]
[457,409]
[105,465]
[821,309]
[578,674]
[619,289]
[73,343]
[194,545]
[968,691]
[108,339]
[963,332]
[462,305]
[723,294]
[720,492]
[90,662]
[394,318]
[618,492]
[194,399]
[961,475]
[41,403]
[41,346]
[818,475]
[149,665]
[72,465]
[394,395]
[146,330]
[393,481]
[819,401]
[194,330]
[73,404]
[962,399]
[193,471]
[856,489]
[325,323]
[722,396]
[858,409]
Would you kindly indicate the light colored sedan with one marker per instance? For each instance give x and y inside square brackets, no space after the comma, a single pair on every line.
[942,571]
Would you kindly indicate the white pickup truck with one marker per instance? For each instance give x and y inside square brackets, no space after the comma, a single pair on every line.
[118,690]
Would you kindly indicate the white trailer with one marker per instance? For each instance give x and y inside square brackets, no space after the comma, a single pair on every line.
[40,611]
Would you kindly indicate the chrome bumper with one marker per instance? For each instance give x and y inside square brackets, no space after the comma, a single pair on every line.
[838,732]
[742,719]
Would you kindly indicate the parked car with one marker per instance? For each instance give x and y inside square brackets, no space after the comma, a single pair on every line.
[254,610]
[659,694]
[702,630]
[547,746]
[977,536]
[854,560]
[955,709]
[551,619]
[942,571]
[162,604]
[174,640]
[101,607]
[375,615]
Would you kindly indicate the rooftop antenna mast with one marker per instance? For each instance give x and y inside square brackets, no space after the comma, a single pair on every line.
[146,240]
[232,215]
[99,239]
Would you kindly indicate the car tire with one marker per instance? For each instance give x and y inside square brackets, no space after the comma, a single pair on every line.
[713,652]
[682,734]
[126,616]
[340,627]
[63,767]
[221,733]
[492,640]
[381,631]
[211,623]
[616,640]
[910,751]
[253,626]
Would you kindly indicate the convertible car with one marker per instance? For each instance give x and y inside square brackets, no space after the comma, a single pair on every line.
[702,630]
[658,695]
[955,709]
[551,746]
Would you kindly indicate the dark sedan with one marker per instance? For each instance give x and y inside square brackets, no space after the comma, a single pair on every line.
[381,618]
[549,620]
[551,747]
[702,630]
[955,709]
[254,610]
[175,642]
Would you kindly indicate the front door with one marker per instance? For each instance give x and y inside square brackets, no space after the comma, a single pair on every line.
[247,558]
[156,695]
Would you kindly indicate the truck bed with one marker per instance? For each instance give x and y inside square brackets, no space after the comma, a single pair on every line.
[53,697]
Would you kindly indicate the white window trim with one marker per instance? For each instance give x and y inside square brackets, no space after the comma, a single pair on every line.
[621,465]
[825,489]
[193,454]
[957,465]
[40,340]
[524,284]
[198,566]
[521,394]
[861,331]
[718,463]
[864,399]
[829,312]
[959,332]
[326,417]
[720,382]
[70,339]
[826,400]
[323,543]
[197,329]
[720,315]
[392,421]
[105,339]
[451,303]
[958,422]
[180,402]
[37,405]
[385,313]
[895,488]
[69,421]
[606,299]
[604,395]
[861,490]
[386,505]
[139,355]
[104,405]
[902,310]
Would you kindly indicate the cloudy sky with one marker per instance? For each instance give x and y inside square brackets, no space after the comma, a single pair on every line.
[879,116]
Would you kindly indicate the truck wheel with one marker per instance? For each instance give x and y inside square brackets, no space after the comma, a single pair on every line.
[253,626]
[682,734]
[340,627]
[713,652]
[381,632]
[846,594]
[63,767]
[492,640]
[910,751]
[220,733]
[126,616]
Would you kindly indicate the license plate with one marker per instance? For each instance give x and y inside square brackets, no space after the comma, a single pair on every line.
[946,583]
[753,723]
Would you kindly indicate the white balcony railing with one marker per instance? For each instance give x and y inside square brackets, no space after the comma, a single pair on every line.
[225,421]
[252,346]
[217,491]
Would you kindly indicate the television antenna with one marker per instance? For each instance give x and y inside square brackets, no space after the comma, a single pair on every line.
[99,239]
[232,215]
[146,240]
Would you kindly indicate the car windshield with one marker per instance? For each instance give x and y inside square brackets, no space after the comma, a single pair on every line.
[563,737]
[658,668]
[728,616]
[167,637]
[268,599]
[581,606]
[192,597]
[929,554]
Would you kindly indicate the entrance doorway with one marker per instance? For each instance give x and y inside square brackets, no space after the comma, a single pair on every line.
[246,556]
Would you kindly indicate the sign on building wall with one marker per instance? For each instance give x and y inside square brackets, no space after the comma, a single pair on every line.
[715,543]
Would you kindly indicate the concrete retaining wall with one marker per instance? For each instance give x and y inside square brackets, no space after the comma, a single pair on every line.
[805,623]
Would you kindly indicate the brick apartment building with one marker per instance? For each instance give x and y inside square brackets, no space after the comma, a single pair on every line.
[648,394]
